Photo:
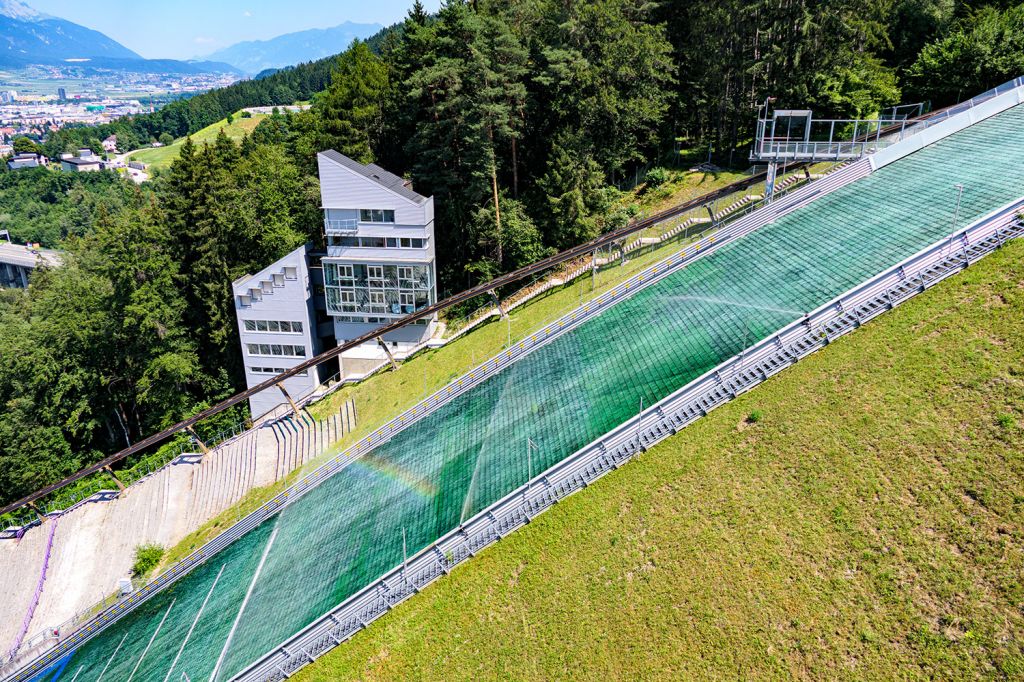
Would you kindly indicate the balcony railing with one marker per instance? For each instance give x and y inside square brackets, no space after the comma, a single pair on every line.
[346,226]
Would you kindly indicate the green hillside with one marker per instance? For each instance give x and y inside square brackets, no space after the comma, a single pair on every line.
[163,157]
[861,516]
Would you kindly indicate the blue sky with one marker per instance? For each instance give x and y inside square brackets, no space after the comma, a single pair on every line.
[181,29]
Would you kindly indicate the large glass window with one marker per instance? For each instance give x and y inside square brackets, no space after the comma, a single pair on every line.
[376,215]
[276,349]
[377,242]
[273,326]
[275,370]
[370,291]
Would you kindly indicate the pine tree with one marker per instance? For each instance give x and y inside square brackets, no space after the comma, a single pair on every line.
[573,186]
[418,14]
[194,207]
[349,112]
[471,95]
[608,74]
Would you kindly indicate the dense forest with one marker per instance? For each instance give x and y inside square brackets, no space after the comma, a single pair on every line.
[519,117]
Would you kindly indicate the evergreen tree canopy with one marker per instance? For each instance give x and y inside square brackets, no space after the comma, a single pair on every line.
[518,117]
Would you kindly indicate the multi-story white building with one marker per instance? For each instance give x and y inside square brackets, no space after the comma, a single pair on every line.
[277,327]
[378,267]
[380,251]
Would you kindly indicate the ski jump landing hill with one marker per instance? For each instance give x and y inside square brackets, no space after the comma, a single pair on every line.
[540,421]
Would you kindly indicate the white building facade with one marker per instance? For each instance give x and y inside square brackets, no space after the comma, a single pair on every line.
[380,263]
[276,326]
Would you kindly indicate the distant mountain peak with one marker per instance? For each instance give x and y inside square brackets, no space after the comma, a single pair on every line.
[16,9]
[31,37]
[255,56]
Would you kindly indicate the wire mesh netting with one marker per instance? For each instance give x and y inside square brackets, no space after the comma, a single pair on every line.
[442,470]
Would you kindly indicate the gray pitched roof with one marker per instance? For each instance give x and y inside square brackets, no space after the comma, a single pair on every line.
[372,171]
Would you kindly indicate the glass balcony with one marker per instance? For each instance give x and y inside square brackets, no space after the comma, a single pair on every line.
[377,290]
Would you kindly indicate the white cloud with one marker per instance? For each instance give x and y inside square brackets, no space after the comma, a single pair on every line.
[246,13]
[203,40]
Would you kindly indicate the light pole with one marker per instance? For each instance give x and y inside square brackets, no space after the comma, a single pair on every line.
[405,558]
[956,211]
[530,445]
[639,423]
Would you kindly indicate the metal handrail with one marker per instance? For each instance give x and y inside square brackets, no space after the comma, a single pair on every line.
[346,225]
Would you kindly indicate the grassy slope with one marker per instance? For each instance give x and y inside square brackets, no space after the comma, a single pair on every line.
[870,526]
[163,157]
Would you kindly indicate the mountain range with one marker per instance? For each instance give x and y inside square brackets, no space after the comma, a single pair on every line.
[254,56]
[31,37]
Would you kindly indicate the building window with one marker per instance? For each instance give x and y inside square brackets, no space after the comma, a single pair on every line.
[273,326]
[376,242]
[276,349]
[377,290]
[376,215]
[275,370]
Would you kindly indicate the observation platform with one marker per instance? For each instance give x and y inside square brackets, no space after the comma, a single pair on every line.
[793,135]
[18,261]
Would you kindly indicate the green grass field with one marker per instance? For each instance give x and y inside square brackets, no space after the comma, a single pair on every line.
[163,157]
[868,525]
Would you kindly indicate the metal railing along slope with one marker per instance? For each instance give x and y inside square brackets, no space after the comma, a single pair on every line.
[587,248]
[716,387]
